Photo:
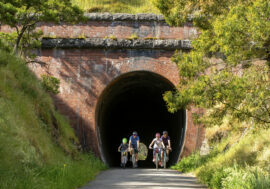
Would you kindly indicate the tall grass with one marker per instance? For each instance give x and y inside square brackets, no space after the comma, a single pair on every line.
[117,6]
[241,165]
[38,148]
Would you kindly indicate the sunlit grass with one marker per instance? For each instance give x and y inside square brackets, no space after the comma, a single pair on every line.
[38,147]
[117,6]
[241,164]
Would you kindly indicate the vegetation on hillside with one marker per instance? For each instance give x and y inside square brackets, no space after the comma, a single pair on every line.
[24,15]
[221,73]
[38,148]
[117,6]
[236,161]
[226,74]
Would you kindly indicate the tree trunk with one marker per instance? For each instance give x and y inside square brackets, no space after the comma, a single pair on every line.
[18,40]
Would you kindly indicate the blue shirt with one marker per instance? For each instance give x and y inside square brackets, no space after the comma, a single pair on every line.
[134,140]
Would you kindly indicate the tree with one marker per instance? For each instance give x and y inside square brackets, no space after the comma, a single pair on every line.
[23,15]
[227,72]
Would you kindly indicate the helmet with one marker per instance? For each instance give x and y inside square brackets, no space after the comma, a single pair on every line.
[165,132]
[157,134]
[134,133]
[124,140]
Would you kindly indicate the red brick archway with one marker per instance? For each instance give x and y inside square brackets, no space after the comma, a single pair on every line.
[86,66]
[85,73]
[133,101]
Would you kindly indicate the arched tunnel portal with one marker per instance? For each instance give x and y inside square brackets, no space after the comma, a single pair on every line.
[134,101]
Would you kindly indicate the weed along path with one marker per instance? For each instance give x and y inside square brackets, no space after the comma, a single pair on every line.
[143,179]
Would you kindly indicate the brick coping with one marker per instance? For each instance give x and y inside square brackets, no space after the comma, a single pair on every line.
[88,43]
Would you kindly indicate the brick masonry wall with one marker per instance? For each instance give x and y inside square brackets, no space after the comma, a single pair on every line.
[121,26]
[85,72]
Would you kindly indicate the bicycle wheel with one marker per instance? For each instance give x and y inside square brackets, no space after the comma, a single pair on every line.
[157,160]
[133,160]
[164,159]
[124,160]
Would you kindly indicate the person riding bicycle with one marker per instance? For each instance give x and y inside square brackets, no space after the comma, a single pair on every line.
[123,148]
[134,144]
[166,141]
[158,144]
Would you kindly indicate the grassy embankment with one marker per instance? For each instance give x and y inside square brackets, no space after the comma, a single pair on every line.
[239,159]
[38,148]
[117,6]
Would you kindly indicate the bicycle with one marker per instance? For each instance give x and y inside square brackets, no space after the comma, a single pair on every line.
[133,158]
[124,159]
[165,156]
[157,156]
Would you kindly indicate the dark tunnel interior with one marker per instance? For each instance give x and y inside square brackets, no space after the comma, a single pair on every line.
[133,102]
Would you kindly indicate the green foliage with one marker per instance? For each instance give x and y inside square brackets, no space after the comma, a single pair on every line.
[23,15]
[245,164]
[249,178]
[117,6]
[226,74]
[51,84]
[28,42]
[38,147]
[81,36]
[9,38]
[235,177]
[221,72]
[111,37]
[133,36]
[195,160]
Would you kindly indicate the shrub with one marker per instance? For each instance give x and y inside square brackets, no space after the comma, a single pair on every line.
[245,178]
[194,161]
[51,84]
[133,36]
[111,37]
[245,164]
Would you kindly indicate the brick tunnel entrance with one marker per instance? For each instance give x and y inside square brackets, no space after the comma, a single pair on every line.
[133,101]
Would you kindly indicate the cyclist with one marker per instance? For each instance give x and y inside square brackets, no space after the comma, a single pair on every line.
[123,148]
[166,141]
[158,144]
[134,144]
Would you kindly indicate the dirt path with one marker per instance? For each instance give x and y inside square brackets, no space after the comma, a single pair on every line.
[143,179]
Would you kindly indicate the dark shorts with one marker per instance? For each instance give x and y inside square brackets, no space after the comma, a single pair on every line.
[135,148]
[123,150]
